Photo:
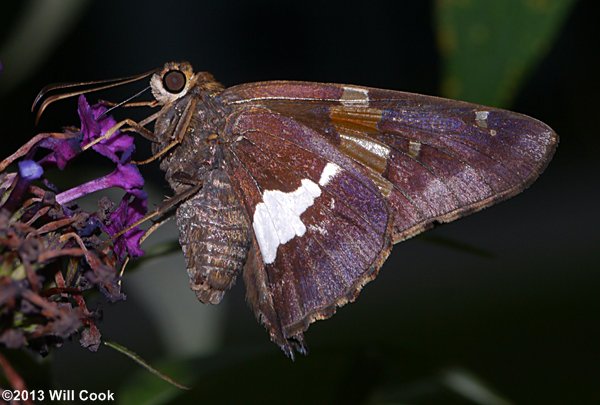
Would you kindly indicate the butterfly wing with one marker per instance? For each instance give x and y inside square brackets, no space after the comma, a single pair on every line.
[395,164]
[321,229]
[434,159]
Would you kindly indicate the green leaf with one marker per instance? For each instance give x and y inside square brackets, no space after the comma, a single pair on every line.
[489,47]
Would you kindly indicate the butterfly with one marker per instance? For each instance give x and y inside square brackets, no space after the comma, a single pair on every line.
[302,188]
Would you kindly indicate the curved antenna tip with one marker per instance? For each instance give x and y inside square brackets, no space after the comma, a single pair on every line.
[103,84]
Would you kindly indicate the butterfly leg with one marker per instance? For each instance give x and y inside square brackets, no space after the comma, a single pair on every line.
[163,208]
[107,103]
[158,154]
[133,127]
[159,213]
[180,132]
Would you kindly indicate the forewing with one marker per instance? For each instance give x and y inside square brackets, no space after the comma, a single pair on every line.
[433,159]
[321,228]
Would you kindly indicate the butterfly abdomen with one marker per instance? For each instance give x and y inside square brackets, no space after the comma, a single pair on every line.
[213,232]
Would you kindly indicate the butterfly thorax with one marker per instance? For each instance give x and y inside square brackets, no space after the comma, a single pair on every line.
[191,125]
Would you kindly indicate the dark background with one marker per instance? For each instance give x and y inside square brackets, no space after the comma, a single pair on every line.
[516,315]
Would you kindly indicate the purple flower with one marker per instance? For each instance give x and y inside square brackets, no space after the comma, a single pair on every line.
[127,177]
[45,243]
[94,124]
[132,208]
[63,150]
[30,170]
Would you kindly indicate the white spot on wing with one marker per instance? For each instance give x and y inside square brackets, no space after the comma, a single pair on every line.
[277,220]
[329,171]
[266,233]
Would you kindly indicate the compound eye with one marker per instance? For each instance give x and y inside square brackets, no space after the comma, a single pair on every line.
[174,81]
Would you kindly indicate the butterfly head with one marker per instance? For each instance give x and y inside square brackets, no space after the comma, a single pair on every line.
[176,79]
[173,81]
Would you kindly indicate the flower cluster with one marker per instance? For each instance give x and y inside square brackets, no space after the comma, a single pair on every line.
[52,252]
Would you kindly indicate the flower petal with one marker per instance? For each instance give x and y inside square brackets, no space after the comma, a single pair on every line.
[30,170]
[132,208]
[127,177]
[94,125]
[63,150]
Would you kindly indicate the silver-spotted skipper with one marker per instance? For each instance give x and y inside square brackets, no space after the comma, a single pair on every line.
[303,188]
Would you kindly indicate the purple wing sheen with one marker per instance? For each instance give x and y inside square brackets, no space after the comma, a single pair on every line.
[321,227]
[433,159]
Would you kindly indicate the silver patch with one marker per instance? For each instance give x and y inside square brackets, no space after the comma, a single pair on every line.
[481,118]
[353,96]
[375,148]
[414,149]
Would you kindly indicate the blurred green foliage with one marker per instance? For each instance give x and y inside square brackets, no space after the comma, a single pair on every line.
[335,374]
[489,47]
[241,377]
